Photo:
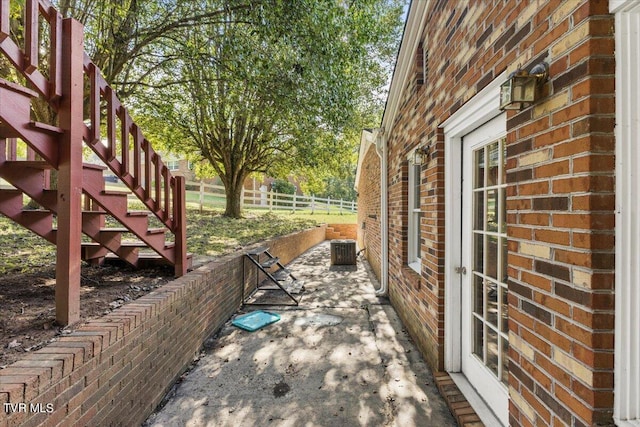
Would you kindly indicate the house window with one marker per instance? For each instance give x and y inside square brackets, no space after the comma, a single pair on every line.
[414,214]
[173,165]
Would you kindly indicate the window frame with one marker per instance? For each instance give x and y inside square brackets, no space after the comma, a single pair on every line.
[414,215]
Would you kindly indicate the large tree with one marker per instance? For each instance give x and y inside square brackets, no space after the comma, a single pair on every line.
[127,39]
[274,87]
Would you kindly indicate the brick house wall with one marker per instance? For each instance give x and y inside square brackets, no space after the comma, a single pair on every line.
[368,220]
[560,195]
[115,370]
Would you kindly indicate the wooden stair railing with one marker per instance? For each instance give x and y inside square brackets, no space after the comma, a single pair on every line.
[60,77]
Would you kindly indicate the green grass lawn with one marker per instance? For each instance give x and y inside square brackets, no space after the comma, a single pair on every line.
[208,233]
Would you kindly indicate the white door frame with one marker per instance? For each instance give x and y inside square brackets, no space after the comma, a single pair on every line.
[478,110]
[626,408]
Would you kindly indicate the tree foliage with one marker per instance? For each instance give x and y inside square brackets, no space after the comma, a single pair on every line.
[272,86]
[277,88]
[126,39]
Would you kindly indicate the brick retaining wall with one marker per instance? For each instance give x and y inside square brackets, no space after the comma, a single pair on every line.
[115,370]
[341,231]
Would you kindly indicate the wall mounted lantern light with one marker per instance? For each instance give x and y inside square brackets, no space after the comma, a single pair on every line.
[523,87]
[420,154]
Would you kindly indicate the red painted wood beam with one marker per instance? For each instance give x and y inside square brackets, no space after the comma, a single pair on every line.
[70,176]
[31,28]
[55,56]
[4,19]
[180,230]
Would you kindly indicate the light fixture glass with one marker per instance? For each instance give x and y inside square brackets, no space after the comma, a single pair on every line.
[521,89]
[420,154]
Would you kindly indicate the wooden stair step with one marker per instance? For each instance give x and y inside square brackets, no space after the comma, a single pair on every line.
[161,230]
[8,195]
[94,166]
[93,250]
[37,213]
[15,114]
[14,87]
[7,132]
[46,128]
[115,193]
[138,213]
[31,164]
[150,259]
[126,230]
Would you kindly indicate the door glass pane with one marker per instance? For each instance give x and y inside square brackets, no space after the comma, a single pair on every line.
[492,350]
[478,295]
[493,154]
[492,257]
[478,163]
[492,210]
[478,206]
[478,341]
[492,303]
[478,252]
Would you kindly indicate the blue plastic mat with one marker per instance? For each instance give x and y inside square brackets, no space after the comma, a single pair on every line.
[255,320]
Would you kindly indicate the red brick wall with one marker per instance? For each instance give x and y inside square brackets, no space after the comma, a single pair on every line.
[341,231]
[368,231]
[560,196]
[116,369]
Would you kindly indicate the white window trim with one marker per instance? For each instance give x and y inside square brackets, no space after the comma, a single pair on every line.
[413,236]
[173,165]
[478,110]
[626,408]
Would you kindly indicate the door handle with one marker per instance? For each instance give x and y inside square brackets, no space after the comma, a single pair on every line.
[461,270]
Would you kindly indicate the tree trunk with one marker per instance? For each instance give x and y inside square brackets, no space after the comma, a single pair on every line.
[233,191]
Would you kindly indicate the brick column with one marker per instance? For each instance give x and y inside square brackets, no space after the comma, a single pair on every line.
[561,229]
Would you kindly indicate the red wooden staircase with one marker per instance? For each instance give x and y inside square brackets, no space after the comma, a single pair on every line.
[54,70]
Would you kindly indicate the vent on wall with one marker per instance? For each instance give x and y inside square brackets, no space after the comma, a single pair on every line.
[420,63]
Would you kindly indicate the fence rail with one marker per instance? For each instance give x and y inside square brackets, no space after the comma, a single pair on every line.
[204,195]
[213,196]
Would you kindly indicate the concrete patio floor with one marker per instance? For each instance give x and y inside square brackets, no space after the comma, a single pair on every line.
[341,358]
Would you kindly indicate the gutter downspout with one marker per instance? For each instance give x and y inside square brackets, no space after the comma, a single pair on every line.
[381,150]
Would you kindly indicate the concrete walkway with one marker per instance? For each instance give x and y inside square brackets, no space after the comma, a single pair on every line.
[341,358]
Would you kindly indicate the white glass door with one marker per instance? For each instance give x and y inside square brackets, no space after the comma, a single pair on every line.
[485,329]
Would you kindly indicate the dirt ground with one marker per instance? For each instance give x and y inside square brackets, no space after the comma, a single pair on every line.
[27,303]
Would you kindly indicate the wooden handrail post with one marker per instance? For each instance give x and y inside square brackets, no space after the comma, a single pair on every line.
[68,249]
[5,27]
[180,231]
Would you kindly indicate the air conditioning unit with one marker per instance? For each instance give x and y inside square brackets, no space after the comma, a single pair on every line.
[343,252]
